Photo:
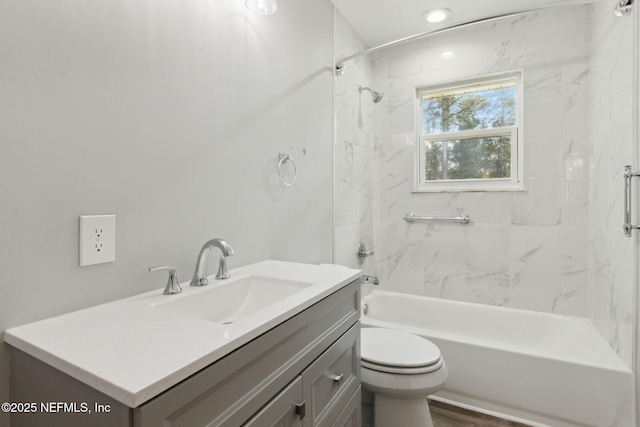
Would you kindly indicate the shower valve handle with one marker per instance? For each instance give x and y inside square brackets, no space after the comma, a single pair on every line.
[363,252]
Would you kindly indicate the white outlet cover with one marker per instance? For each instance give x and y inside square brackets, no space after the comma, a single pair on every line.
[97,239]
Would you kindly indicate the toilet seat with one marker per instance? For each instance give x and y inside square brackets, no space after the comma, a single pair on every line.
[398,352]
[402,371]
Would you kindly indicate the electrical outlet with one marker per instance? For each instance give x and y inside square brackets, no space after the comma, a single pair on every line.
[97,239]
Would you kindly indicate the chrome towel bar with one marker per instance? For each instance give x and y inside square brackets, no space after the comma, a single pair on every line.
[628,176]
[462,219]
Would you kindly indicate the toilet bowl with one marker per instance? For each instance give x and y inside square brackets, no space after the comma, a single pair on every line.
[401,370]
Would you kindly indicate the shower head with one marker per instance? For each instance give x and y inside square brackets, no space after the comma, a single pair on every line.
[377,97]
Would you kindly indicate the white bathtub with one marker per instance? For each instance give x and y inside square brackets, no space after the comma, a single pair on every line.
[539,368]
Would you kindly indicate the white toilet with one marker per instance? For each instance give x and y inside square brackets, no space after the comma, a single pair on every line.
[401,370]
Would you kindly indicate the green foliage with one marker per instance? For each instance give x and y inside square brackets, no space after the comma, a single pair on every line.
[480,158]
[433,161]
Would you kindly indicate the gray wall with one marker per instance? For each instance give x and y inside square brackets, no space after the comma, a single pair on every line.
[171,115]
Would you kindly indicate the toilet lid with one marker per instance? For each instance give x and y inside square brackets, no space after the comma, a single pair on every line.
[391,347]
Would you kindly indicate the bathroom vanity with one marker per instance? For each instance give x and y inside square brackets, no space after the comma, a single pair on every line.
[294,361]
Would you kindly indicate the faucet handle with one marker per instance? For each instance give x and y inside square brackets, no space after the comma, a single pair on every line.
[363,252]
[173,287]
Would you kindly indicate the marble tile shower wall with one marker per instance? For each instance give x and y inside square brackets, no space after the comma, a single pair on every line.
[353,151]
[611,256]
[555,247]
[522,249]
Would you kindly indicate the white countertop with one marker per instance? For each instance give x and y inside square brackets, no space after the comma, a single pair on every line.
[132,351]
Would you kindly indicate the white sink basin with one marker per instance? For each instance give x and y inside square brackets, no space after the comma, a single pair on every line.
[228,301]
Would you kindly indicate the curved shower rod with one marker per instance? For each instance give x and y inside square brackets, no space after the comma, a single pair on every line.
[340,63]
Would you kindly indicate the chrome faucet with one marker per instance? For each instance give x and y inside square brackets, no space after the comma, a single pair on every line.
[200,275]
[369,279]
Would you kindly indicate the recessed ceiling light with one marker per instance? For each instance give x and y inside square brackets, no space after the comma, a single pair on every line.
[447,55]
[435,16]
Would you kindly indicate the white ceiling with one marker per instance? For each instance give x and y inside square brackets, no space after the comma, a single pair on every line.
[382,21]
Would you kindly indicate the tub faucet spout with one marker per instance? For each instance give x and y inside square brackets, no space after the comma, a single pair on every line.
[200,275]
[369,279]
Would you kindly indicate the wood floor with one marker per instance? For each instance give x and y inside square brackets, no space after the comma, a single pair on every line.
[444,415]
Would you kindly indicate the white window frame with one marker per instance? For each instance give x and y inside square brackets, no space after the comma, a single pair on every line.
[515,182]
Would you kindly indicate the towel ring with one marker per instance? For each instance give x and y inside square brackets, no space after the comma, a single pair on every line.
[283,158]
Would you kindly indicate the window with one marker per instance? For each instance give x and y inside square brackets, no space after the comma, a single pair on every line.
[468,135]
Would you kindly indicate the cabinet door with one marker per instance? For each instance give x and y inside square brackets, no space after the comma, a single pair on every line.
[351,415]
[282,410]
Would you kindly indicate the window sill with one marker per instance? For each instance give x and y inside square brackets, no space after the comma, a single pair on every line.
[472,190]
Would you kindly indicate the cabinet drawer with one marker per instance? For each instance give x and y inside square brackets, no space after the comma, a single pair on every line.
[281,410]
[333,378]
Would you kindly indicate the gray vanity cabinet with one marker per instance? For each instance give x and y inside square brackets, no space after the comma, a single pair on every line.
[304,372]
[321,395]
